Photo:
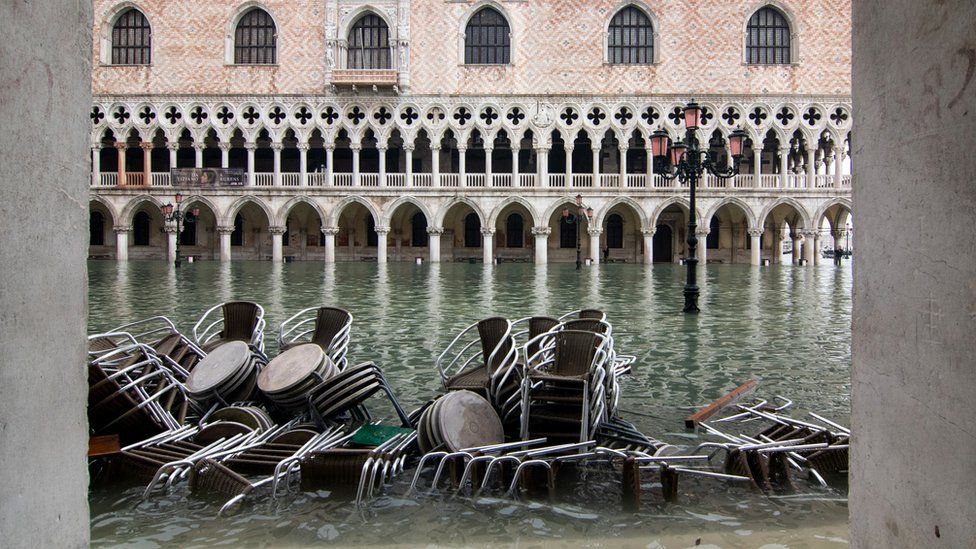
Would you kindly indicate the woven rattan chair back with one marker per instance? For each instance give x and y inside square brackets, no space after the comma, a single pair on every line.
[495,341]
[328,323]
[240,319]
[574,352]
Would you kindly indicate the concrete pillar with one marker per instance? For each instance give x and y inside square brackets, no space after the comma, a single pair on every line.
[541,244]
[174,147]
[329,165]
[488,170]
[408,152]
[171,236]
[356,180]
[225,147]
[595,249]
[487,245]
[251,147]
[623,167]
[809,249]
[45,70]
[755,242]
[198,154]
[120,151]
[757,167]
[147,148]
[225,232]
[797,240]
[382,174]
[435,165]
[462,167]
[648,246]
[330,234]
[122,242]
[277,252]
[434,243]
[96,159]
[596,167]
[303,164]
[784,158]
[702,250]
[276,150]
[381,244]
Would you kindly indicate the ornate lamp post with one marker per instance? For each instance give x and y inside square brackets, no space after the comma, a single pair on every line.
[178,215]
[847,240]
[690,164]
[583,214]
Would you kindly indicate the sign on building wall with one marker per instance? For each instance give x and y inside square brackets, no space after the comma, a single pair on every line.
[207,177]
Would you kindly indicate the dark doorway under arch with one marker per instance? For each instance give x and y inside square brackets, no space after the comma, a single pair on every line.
[515,231]
[96,229]
[663,244]
[472,231]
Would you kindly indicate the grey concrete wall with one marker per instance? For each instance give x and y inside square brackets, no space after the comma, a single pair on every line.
[45,96]
[913,477]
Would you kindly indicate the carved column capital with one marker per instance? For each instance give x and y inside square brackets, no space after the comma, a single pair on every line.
[756,232]
[541,231]
[122,145]
[330,231]
[225,230]
[487,231]
[169,228]
[277,147]
[435,231]
[146,145]
[594,231]
[383,230]
[224,145]
[277,230]
[251,146]
[649,232]
[120,229]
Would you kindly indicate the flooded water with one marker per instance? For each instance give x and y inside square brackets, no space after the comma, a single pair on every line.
[787,326]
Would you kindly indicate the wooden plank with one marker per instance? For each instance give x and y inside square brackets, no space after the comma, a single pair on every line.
[103,446]
[725,401]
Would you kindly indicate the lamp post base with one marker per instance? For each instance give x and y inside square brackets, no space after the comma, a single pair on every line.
[691,300]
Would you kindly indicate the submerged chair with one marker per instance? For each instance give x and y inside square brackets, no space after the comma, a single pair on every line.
[462,366]
[584,314]
[239,321]
[327,327]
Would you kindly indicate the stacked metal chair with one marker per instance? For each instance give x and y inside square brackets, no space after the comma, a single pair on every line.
[327,327]
[482,358]
[237,321]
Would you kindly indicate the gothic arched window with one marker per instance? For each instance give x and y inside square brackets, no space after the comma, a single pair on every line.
[256,39]
[630,38]
[768,38]
[369,44]
[131,39]
[487,39]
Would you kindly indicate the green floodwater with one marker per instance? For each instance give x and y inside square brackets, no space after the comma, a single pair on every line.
[786,326]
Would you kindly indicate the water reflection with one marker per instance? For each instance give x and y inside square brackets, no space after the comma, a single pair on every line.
[787,326]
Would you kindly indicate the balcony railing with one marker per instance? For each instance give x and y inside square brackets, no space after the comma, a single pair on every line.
[364,77]
[263,179]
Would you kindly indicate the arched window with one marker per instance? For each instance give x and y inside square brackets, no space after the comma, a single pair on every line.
[487,39]
[418,230]
[514,231]
[96,229]
[615,231]
[567,233]
[369,44]
[237,237]
[768,38]
[255,39]
[711,241]
[631,38]
[140,229]
[472,231]
[372,239]
[131,39]
[189,235]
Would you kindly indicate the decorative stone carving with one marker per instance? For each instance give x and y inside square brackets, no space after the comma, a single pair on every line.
[330,231]
[541,231]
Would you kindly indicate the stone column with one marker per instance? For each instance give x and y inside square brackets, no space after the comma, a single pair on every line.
[757,168]
[147,148]
[303,164]
[596,167]
[120,151]
[809,252]
[225,147]
[174,147]
[541,244]
[623,167]
[542,161]
[96,172]
[330,234]
[434,243]
[811,168]
[648,246]
[488,170]
[784,158]
[225,233]
[515,167]
[277,252]
[796,237]
[487,243]
[435,165]
[356,179]
[251,147]
[702,249]
[817,246]
[276,149]
[198,154]
[777,245]
[329,165]
[122,242]
[382,175]
[408,153]
[756,242]
[462,166]
[171,236]
[381,243]
[568,148]
[595,233]
[649,155]
[838,165]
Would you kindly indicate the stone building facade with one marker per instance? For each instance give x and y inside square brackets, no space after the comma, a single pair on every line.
[459,130]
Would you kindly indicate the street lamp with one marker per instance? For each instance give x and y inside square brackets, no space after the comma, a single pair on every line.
[176,214]
[583,214]
[690,164]
[847,240]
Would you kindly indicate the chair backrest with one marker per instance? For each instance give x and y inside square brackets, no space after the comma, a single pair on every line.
[574,352]
[328,323]
[495,339]
[586,325]
[539,325]
[593,314]
[240,319]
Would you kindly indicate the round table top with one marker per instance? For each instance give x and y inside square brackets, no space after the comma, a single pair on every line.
[467,420]
[290,368]
[218,366]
